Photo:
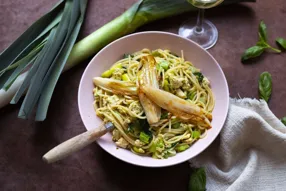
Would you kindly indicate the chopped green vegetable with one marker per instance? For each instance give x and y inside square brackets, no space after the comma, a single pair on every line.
[127,55]
[281,42]
[155,53]
[152,148]
[198,180]
[138,150]
[181,148]
[144,137]
[196,134]
[283,120]
[160,143]
[164,115]
[125,77]
[164,64]
[265,86]
[192,95]
[203,99]
[176,125]
[166,86]
[199,76]
[108,73]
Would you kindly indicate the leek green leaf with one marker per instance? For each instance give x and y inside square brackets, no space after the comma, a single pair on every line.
[9,55]
[57,70]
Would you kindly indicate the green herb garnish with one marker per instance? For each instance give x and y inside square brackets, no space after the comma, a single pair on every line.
[260,46]
[283,120]
[265,86]
[127,55]
[199,76]
[198,180]
[281,42]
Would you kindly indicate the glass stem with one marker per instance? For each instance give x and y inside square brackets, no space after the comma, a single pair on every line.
[199,25]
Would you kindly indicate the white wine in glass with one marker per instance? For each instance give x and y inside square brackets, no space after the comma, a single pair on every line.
[200,30]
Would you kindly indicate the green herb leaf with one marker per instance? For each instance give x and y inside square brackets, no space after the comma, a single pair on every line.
[265,86]
[164,115]
[283,120]
[176,125]
[252,52]
[127,55]
[281,42]
[198,180]
[262,32]
[199,76]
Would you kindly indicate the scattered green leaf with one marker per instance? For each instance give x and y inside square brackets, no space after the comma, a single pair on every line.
[262,31]
[281,42]
[260,46]
[252,52]
[198,180]
[265,86]
[283,120]
[176,125]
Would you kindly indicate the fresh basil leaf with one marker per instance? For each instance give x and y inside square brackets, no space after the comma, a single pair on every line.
[252,52]
[198,180]
[262,31]
[199,76]
[265,86]
[281,42]
[283,120]
[261,43]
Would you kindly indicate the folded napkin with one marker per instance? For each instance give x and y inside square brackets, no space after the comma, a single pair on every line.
[250,152]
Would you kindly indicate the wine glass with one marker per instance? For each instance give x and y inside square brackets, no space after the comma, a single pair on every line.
[200,30]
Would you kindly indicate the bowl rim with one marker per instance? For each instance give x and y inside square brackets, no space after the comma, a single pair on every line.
[175,35]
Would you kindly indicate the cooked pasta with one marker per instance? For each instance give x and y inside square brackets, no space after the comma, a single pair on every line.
[137,95]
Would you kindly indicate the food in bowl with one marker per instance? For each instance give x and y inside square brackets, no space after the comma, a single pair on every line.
[159,103]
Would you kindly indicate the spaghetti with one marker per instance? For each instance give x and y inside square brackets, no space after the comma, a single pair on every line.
[170,134]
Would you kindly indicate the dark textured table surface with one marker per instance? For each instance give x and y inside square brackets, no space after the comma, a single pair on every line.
[22,143]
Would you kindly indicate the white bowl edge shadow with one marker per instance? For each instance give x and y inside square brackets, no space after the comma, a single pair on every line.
[154,40]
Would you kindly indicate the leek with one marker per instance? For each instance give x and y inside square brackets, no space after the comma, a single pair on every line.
[12,77]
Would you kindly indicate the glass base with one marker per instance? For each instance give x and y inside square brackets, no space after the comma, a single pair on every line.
[206,38]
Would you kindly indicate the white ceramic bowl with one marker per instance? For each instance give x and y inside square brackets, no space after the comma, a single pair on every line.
[154,40]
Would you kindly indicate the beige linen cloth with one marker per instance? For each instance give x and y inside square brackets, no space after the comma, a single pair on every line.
[250,152]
